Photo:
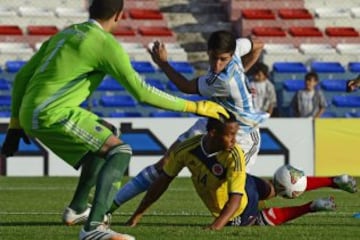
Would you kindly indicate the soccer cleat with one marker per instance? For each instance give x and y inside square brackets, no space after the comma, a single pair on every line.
[102,232]
[70,217]
[323,204]
[346,182]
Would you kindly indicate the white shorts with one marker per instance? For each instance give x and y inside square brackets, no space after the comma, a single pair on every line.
[249,142]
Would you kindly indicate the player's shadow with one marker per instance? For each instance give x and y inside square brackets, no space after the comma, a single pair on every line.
[23,224]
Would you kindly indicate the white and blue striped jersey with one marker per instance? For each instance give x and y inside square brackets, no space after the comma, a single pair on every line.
[230,88]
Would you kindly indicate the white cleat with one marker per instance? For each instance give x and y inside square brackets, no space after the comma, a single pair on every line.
[346,182]
[70,217]
[323,204]
[103,233]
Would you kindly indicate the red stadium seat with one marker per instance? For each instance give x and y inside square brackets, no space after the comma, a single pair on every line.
[124,31]
[42,30]
[341,32]
[268,31]
[305,32]
[294,13]
[258,14]
[145,14]
[155,31]
[10,30]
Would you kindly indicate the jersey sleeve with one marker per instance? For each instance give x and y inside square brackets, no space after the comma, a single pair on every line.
[211,85]
[22,78]
[116,62]
[236,174]
[174,165]
[243,46]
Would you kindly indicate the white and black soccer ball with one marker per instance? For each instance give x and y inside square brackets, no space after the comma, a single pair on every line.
[289,182]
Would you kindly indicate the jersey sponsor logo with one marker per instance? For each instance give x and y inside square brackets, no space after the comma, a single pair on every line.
[217,169]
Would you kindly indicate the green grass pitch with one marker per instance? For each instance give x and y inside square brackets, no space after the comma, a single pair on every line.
[31,208]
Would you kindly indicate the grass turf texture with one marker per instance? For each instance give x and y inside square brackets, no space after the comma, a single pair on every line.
[31,208]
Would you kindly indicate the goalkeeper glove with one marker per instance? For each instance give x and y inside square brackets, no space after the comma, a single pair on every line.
[206,108]
[12,139]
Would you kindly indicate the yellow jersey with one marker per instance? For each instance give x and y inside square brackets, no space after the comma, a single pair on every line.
[214,176]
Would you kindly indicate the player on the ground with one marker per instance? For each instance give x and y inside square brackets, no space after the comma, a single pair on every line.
[225,83]
[46,98]
[217,166]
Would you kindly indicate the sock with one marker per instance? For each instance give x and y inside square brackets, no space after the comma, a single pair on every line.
[110,174]
[135,186]
[89,172]
[319,182]
[277,216]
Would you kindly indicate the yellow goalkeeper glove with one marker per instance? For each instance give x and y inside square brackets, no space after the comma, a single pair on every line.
[206,108]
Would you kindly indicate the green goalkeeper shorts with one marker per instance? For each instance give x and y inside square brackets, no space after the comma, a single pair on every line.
[75,133]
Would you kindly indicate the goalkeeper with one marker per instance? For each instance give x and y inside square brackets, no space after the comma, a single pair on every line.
[46,98]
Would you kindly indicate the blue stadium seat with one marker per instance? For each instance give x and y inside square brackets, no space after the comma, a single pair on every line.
[5,114]
[143,66]
[172,87]
[124,114]
[155,83]
[117,101]
[4,85]
[346,101]
[327,67]
[354,67]
[165,114]
[193,97]
[293,85]
[110,84]
[89,103]
[336,85]
[182,67]
[329,114]
[14,66]
[289,67]
[5,100]
[352,115]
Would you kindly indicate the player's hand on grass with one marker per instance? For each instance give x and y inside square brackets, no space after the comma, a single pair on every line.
[133,221]
[207,109]
[12,140]
[158,52]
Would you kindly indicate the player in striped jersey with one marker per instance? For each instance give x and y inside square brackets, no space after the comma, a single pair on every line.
[217,166]
[225,83]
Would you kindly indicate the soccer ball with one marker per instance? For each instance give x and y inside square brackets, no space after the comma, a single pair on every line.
[289,182]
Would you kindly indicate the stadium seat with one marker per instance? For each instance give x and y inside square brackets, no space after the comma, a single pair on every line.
[41,30]
[124,114]
[155,31]
[268,32]
[182,67]
[117,101]
[165,114]
[329,12]
[293,85]
[172,87]
[346,101]
[352,114]
[341,32]
[329,114]
[5,100]
[327,67]
[124,31]
[289,67]
[155,83]
[110,84]
[333,85]
[149,14]
[14,66]
[4,85]
[143,66]
[5,114]
[354,67]
[294,13]
[258,14]
[10,30]
[305,32]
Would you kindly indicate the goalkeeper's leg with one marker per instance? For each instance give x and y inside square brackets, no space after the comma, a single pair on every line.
[141,182]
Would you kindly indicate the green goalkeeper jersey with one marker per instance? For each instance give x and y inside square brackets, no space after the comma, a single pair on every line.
[68,68]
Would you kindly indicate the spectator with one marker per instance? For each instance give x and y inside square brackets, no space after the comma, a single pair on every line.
[309,102]
[263,89]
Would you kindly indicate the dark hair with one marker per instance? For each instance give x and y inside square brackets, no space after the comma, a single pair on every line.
[219,124]
[262,67]
[105,9]
[312,75]
[222,42]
